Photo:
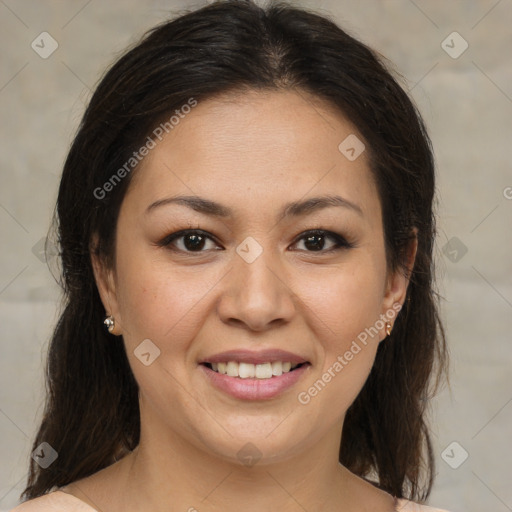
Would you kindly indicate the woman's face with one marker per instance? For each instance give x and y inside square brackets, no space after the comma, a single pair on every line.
[250,282]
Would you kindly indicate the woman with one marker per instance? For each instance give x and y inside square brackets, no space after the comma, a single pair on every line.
[246,228]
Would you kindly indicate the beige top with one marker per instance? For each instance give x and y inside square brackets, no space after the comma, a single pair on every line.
[59,501]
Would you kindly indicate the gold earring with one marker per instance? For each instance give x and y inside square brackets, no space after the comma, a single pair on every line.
[110,323]
[388,328]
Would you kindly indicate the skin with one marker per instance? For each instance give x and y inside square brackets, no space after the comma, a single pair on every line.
[252,153]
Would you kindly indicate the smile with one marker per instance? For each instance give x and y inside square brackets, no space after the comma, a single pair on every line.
[263,385]
[253,371]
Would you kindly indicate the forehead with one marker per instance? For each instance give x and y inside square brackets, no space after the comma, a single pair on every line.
[265,146]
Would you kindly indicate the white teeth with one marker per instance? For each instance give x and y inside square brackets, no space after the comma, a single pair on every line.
[277,368]
[246,371]
[251,371]
[264,371]
[232,369]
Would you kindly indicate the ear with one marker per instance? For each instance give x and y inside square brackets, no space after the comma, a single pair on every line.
[398,281]
[106,283]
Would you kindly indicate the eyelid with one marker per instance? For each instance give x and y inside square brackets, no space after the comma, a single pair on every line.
[340,240]
[167,240]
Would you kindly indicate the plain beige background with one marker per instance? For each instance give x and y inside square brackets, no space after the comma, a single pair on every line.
[466,99]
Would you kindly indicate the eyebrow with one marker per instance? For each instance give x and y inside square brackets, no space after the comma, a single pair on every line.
[293,209]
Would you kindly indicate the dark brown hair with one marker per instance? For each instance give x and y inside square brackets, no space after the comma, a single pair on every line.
[91,416]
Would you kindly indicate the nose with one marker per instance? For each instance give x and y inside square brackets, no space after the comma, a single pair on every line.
[257,295]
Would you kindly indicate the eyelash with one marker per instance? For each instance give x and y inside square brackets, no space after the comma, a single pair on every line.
[340,241]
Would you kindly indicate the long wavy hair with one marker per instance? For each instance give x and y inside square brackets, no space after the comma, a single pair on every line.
[91,415]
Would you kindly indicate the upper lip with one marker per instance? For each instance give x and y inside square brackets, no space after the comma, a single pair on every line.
[255,357]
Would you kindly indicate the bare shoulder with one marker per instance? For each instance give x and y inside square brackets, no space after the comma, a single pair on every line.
[410,506]
[373,497]
[85,495]
[381,500]
[55,501]
[98,491]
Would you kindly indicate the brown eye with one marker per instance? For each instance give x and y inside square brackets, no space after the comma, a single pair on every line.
[193,242]
[315,241]
[187,241]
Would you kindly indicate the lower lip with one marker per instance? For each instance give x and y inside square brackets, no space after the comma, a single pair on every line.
[254,389]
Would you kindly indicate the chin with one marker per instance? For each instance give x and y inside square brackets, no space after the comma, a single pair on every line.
[256,439]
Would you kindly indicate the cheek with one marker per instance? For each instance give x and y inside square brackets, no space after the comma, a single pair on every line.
[344,301]
[345,307]
[160,305]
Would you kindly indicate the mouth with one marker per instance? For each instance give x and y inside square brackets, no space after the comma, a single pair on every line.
[249,375]
[244,370]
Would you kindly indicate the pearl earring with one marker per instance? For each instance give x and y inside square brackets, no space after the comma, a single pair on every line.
[110,323]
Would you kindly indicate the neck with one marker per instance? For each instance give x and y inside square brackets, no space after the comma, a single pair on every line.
[163,476]
[172,471]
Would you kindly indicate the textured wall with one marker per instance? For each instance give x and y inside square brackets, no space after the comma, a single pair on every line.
[466,99]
